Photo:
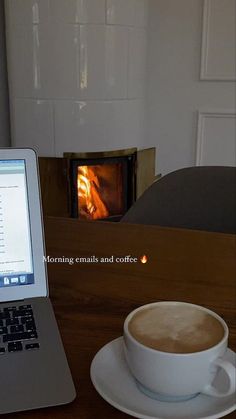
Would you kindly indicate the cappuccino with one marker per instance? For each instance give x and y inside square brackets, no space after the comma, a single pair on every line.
[176,328]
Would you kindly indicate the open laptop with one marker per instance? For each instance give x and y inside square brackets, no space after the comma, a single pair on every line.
[33,366]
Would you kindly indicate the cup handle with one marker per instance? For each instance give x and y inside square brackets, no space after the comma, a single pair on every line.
[230,371]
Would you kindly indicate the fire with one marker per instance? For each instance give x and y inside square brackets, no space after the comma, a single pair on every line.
[91,205]
[144,259]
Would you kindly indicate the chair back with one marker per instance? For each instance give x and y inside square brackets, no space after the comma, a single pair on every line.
[200,198]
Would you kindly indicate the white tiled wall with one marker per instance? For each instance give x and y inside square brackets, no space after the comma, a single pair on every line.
[103,62]
[27,12]
[114,122]
[33,125]
[77,72]
[44,61]
[137,62]
[78,11]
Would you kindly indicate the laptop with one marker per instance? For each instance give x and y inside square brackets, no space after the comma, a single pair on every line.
[33,365]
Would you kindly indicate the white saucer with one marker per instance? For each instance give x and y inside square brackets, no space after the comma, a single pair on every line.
[111,378]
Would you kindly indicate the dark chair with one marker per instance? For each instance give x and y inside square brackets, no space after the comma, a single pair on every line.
[200,198]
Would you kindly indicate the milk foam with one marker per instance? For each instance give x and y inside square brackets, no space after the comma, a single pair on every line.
[176,328]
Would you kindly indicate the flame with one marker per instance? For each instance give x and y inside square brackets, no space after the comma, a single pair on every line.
[91,205]
[143,259]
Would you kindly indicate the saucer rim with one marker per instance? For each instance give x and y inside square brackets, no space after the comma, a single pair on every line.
[131,412]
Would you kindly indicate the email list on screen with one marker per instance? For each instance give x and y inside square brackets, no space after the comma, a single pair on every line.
[16,264]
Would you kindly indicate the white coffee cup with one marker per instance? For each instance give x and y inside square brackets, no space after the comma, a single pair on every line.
[172,376]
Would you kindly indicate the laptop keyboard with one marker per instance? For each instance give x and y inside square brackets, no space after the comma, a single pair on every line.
[17,328]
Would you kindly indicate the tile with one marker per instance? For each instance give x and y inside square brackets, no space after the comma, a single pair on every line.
[79,126]
[126,124]
[33,125]
[137,122]
[141,13]
[103,62]
[78,11]
[137,63]
[121,12]
[24,12]
[20,61]
[44,60]
[59,60]
[97,126]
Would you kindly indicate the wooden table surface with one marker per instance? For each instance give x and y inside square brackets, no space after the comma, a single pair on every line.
[91,300]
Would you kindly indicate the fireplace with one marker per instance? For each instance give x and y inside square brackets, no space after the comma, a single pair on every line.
[102,187]
[95,186]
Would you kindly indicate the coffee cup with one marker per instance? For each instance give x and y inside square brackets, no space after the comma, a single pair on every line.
[174,350]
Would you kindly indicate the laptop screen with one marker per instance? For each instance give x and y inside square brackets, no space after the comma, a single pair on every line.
[16,261]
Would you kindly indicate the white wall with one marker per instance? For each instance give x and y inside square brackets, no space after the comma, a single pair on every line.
[176,93]
[4,114]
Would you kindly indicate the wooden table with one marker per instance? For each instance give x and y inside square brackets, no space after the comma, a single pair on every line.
[92,300]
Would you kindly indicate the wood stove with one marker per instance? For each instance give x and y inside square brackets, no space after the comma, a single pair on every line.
[95,186]
[102,187]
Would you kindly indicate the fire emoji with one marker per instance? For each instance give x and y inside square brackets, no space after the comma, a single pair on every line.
[143,259]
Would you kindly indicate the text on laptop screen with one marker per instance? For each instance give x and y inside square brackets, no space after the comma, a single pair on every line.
[16,262]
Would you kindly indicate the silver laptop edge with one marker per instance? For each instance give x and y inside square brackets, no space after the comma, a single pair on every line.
[32,358]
